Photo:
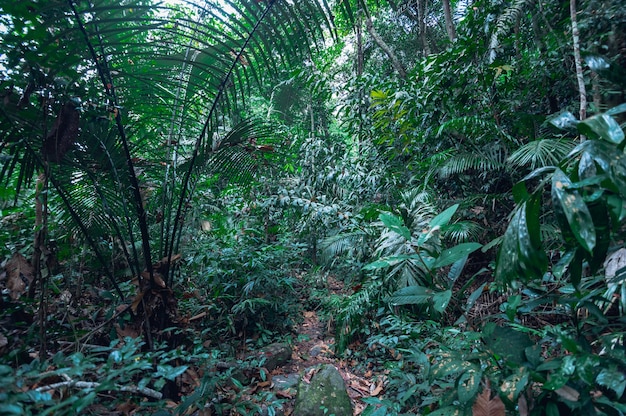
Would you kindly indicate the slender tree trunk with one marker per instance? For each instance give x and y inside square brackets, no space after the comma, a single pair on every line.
[579,67]
[447,12]
[421,25]
[381,43]
[359,48]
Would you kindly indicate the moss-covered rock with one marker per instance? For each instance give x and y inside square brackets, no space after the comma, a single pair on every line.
[324,395]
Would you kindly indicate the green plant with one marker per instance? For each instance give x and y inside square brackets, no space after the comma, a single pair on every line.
[427,286]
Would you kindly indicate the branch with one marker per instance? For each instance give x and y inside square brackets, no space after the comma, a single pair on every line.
[93,385]
[381,43]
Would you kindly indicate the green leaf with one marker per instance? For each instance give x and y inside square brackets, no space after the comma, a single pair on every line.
[446,411]
[507,263]
[473,297]
[456,253]
[515,384]
[441,300]
[11,409]
[520,193]
[468,385]
[507,343]
[412,295]
[603,126]
[389,261]
[533,259]
[444,217]
[170,372]
[395,224]
[569,203]
[564,120]
[456,269]
[613,379]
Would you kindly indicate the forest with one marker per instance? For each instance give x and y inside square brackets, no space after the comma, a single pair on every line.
[313,207]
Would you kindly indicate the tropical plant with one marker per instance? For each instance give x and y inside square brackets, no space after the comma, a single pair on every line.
[85,115]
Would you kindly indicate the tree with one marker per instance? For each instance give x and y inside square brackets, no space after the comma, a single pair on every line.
[86,114]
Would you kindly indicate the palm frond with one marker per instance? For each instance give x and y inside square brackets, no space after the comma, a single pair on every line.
[351,243]
[476,127]
[166,77]
[487,159]
[463,231]
[506,21]
[540,153]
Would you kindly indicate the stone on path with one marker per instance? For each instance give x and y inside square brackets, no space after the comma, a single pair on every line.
[324,394]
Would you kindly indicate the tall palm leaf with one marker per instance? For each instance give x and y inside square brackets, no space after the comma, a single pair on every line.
[160,92]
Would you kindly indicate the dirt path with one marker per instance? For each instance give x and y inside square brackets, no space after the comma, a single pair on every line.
[315,345]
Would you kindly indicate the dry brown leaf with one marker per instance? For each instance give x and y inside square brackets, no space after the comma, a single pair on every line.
[284,394]
[137,301]
[158,279]
[522,406]
[486,406]
[568,393]
[19,275]
[309,314]
[198,316]
[378,389]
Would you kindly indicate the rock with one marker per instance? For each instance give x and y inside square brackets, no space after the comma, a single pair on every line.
[269,357]
[275,355]
[284,382]
[315,351]
[325,394]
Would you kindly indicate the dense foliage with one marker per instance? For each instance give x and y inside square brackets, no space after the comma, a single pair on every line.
[180,179]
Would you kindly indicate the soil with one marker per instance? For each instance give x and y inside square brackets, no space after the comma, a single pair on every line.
[315,345]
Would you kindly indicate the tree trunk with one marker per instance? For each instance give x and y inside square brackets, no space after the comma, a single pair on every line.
[579,68]
[447,11]
[359,48]
[421,24]
[381,43]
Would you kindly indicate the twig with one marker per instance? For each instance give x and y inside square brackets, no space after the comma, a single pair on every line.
[93,385]
[96,329]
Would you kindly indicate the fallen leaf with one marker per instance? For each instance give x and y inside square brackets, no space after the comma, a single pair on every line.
[486,406]
[568,393]
[284,394]
[377,390]
[19,275]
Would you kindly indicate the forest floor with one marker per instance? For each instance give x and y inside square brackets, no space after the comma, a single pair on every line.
[315,345]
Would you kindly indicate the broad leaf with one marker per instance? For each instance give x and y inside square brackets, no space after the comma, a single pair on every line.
[456,253]
[564,120]
[412,295]
[395,224]
[613,379]
[603,126]
[468,384]
[441,300]
[569,204]
[506,342]
[444,217]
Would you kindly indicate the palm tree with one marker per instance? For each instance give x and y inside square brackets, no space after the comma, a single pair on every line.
[125,105]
